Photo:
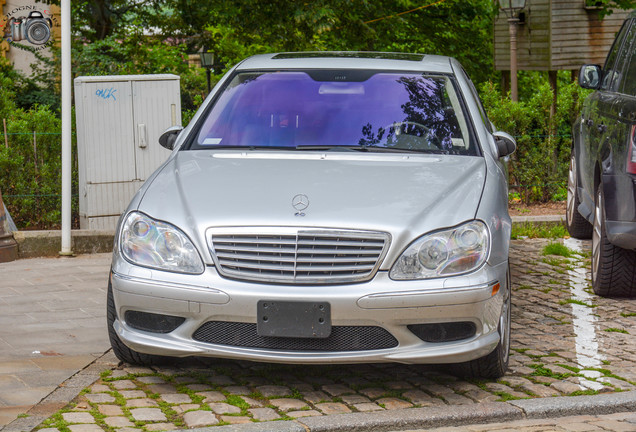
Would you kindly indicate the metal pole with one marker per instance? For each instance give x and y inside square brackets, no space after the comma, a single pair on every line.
[66,128]
[208,73]
[512,24]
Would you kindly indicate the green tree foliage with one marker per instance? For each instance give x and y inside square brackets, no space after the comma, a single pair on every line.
[99,19]
[459,28]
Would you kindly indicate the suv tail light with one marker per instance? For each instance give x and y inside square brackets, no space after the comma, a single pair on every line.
[631,155]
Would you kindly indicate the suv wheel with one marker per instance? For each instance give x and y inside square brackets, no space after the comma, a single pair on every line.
[577,225]
[613,268]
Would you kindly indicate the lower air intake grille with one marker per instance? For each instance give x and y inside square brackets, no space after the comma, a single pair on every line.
[343,338]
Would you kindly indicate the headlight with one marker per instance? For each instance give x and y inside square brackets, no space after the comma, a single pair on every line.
[444,253]
[150,243]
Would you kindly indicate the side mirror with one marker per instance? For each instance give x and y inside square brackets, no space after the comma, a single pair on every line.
[169,137]
[590,76]
[506,144]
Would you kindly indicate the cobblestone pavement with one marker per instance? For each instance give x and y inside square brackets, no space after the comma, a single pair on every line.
[566,341]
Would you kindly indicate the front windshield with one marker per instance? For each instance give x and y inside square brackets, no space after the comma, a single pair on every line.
[315,110]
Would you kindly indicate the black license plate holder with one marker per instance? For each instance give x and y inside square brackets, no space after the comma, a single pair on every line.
[293,319]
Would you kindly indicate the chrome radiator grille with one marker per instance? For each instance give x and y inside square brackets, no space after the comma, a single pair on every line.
[298,256]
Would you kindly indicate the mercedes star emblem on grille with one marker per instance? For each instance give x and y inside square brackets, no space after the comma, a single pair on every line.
[300,202]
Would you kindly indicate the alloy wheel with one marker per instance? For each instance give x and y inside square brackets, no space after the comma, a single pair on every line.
[596,234]
[571,190]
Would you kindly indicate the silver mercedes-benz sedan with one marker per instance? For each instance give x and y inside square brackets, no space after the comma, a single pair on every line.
[323,207]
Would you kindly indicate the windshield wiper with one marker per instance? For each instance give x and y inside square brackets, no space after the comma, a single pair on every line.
[232,147]
[371,149]
[329,147]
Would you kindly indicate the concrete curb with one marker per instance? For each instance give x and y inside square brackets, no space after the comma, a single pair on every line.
[577,405]
[32,244]
[488,412]
[435,417]
[541,220]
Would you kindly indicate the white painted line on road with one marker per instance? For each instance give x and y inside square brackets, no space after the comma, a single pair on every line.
[584,320]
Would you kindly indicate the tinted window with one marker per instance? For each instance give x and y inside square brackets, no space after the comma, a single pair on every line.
[629,71]
[623,58]
[315,109]
[610,64]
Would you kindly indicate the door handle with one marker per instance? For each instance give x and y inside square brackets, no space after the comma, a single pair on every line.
[143,136]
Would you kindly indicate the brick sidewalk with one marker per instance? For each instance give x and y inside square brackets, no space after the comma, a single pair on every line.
[565,341]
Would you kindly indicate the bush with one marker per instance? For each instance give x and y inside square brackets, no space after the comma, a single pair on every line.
[30,174]
[538,169]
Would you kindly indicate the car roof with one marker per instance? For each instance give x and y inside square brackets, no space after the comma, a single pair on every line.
[348,60]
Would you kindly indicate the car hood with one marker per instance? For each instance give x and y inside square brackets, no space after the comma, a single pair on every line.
[403,194]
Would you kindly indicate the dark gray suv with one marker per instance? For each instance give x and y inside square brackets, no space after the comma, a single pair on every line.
[602,179]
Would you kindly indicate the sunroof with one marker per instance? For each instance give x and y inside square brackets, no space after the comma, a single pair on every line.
[356,54]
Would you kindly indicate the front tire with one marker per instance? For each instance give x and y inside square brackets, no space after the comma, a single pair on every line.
[613,268]
[577,225]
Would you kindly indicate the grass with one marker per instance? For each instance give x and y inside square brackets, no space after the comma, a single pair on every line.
[578,302]
[568,367]
[584,393]
[530,230]
[540,370]
[616,330]
[238,402]
[505,397]
[552,261]
[559,249]
[628,314]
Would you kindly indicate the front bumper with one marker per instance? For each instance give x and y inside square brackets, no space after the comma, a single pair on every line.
[379,302]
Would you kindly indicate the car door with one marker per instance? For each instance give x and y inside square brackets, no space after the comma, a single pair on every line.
[598,115]
[624,109]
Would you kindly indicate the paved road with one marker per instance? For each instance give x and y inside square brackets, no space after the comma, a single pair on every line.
[566,342]
[51,325]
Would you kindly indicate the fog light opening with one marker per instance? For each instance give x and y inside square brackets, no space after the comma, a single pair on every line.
[444,332]
[150,322]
